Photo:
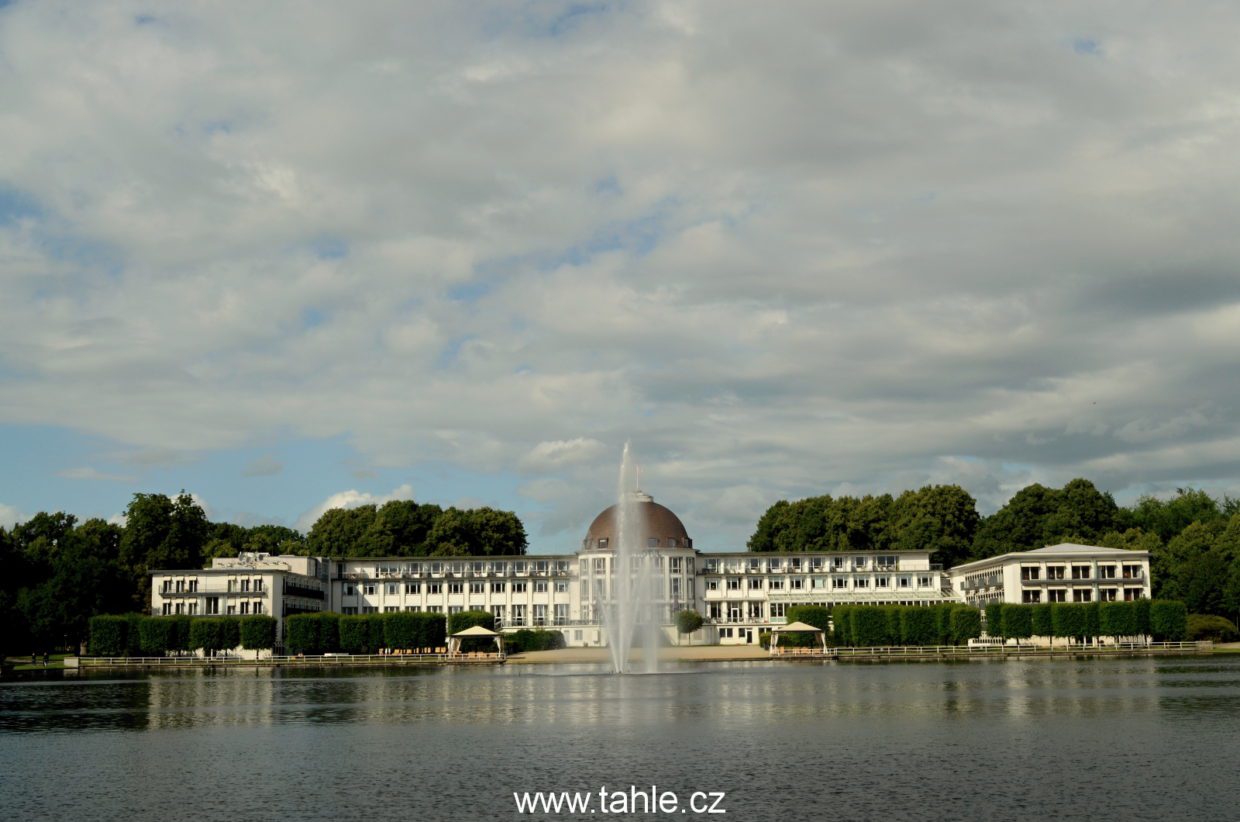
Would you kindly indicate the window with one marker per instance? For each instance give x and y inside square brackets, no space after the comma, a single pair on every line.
[1027,573]
[369,589]
[369,609]
[712,585]
[192,610]
[167,608]
[881,582]
[561,586]
[540,586]
[391,609]
[1106,572]
[652,542]
[776,584]
[602,543]
[412,588]
[392,589]
[1082,595]
[1081,572]
[798,583]
[734,583]
[675,587]
[497,611]
[434,587]
[839,582]
[518,587]
[518,615]
[1056,595]
[540,614]
[1106,595]
[245,607]
[497,587]
[861,583]
[1054,572]
[923,582]
[674,565]
[349,610]
[561,614]
[1030,597]
[1132,594]
[456,587]
[714,610]
[905,582]
[1132,572]
[348,589]
[434,609]
[213,606]
[778,610]
[413,609]
[455,609]
[755,583]
[837,563]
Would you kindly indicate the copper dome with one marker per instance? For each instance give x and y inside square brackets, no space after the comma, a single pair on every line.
[663,528]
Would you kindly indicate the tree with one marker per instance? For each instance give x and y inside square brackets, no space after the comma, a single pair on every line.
[498,533]
[1019,525]
[339,531]
[687,622]
[773,526]
[939,518]
[1167,518]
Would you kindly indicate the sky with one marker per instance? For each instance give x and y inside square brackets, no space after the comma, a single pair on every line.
[293,256]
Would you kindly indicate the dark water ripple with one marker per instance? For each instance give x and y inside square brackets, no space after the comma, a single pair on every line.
[1130,739]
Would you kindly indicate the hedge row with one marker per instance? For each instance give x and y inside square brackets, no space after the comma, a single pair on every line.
[326,633]
[876,625]
[1163,619]
[141,635]
[533,640]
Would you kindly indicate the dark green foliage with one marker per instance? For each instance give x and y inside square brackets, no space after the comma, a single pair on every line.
[356,635]
[525,640]
[468,619]
[329,631]
[1069,620]
[1215,628]
[403,528]
[869,626]
[301,635]
[918,626]
[943,622]
[994,619]
[689,620]
[179,641]
[1036,516]
[966,623]
[258,632]
[400,631]
[841,626]
[108,635]
[211,634]
[158,635]
[1042,620]
[1142,608]
[1168,620]
[1118,619]
[1017,621]
[817,615]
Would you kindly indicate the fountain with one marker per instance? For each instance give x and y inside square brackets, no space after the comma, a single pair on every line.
[630,615]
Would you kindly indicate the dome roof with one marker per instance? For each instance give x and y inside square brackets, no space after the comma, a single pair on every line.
[663,529]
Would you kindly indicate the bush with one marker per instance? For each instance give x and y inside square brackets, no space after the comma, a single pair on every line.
[1168,620]
[1142,607]
[764,639]
[355,636]
[1117,619]
[841,628]
[258,632]
[869,626]
[943,622]
[966,622]
[994,619]
[301,635]
[1017,621]
[108,635]
[525,640]
[1042,621]
[133,634]
[918,626]
[400,631]
[1205,626]
[157,635]
[468,619]
[1068,620]
[180,637]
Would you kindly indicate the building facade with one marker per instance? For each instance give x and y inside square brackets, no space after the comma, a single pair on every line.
[1056,573]
[738,594]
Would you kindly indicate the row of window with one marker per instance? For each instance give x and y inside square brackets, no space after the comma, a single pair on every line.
[474,567]
[1033,572]
[190,607]
[815,583]
[881,562]
[651,542]
[1080,595]
[538,613]
[415,588]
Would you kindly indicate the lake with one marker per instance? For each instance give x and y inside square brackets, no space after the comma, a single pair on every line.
[1149,738]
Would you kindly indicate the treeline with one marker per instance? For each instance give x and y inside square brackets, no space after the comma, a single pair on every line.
[1164,620]
[141,635]
[1193,539]
[56,573]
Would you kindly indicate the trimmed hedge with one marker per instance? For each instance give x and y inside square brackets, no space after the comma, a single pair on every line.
[994,619]
[1168,620]
[918,626]
[966,624]
[1207,626]
[878,625]
[1118,619]
[157,635]
[1042,622]
[355,634]
[258,632]
[108,635]
[214,634]
[535,640]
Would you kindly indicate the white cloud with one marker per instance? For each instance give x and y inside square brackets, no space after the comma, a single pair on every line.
[351,499]
[10,516]
[784,249]
[88,473]
[263,466]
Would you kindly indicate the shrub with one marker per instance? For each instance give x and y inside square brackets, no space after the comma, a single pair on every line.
[355,634]
[301,634]
[966,624]
[180,637]
[1205,626]
[840,627]
[1017,621]
[157,635]
[764,639]
[1142,607]
[133,634]
[1168,620]
[108,635]
[400,630]
[1068,620]
[994,619]
[1117,619]
[943,622]
[258,632]
[869,626]
[1042,621]
[205,635]
[230,633]
[468,619]
[918,626]
[537,640]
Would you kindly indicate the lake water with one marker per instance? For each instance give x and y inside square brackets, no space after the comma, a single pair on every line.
[1124,739]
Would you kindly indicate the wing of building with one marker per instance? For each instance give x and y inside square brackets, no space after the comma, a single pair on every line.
[739,594]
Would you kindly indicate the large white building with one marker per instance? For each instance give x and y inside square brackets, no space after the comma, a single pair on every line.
[1056,573]
[738,594]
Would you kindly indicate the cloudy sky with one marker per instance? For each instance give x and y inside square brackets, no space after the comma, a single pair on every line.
[289,256]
